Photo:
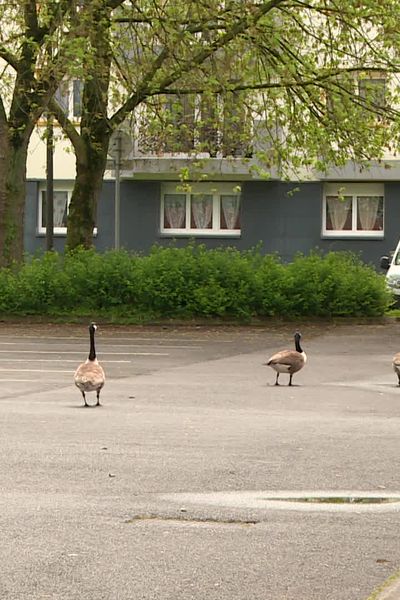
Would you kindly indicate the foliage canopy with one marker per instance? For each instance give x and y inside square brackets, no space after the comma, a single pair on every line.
[287,84]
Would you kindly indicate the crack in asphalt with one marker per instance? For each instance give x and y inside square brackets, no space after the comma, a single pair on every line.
[188,519]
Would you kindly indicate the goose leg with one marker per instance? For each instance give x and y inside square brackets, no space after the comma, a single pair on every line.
[84,398]
[277,377]
[290,379]
[98,398]
[398,375]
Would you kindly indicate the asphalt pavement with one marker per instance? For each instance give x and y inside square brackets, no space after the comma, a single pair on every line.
[187,484]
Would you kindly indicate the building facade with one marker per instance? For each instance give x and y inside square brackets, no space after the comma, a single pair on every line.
[344,209]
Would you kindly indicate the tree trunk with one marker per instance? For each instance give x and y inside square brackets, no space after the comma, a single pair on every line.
[83,207]
[13,157]
[91,150]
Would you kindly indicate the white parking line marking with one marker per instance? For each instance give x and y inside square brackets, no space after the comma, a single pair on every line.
[18,380]
[35,371]
[80,352]
[168,346]
[65,360]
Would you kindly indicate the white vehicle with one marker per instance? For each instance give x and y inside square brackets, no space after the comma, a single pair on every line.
[391,264]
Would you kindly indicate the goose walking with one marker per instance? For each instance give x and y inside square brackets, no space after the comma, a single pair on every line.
[89,376]
[288,361]
[396,365]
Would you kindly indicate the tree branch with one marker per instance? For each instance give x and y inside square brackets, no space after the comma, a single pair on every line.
[67,125]
[145,90]
[268,85]
[9,58]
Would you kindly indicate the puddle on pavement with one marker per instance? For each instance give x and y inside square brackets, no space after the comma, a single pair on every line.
[338,500]
[306,501]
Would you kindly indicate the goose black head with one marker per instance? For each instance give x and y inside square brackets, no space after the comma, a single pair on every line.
[297,337]
[92,327]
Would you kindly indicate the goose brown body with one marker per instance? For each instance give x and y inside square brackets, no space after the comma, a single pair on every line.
[90,376]
[396,365]
[288,361]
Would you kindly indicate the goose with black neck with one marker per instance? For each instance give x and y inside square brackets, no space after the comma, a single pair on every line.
[89,376]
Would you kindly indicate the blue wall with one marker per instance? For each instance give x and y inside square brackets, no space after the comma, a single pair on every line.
[273,216]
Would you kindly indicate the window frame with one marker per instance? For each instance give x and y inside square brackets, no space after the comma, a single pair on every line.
[58,187]
[69,97]
[199,127]
[373,88]
[217,190]
[354,190]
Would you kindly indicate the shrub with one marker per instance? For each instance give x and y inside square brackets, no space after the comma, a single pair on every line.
[192,282]
[167,278]
[335,284]
[273,284]
[38,286]
[226,284]
[100,281]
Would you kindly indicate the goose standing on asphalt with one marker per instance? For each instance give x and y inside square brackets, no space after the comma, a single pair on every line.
[288,361]
[396,365]
[89,376]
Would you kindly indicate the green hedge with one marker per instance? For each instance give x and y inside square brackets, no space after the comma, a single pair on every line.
[192,282]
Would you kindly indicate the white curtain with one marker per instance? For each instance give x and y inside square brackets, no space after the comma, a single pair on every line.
[368,211]
[175,210]
[230,208]
[338,210]
[60,209]
[202,210]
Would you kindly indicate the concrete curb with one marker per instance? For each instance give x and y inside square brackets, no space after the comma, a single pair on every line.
[389,590]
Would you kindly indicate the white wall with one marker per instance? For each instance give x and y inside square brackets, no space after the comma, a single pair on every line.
[64,158]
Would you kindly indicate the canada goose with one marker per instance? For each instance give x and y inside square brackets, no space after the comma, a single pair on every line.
[89,376]
[288,361]
[396,365]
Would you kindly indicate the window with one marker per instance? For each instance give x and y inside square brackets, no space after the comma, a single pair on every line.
[69,97]
[353,210]
[62,96]
[180,123]
[339,94]
[216,125]
[77,88]
[235,122]
[207,209]
[208,134]
[61,199]
[373,91]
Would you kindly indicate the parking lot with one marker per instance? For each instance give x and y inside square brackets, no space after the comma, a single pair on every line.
[152,494]
[34,354]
